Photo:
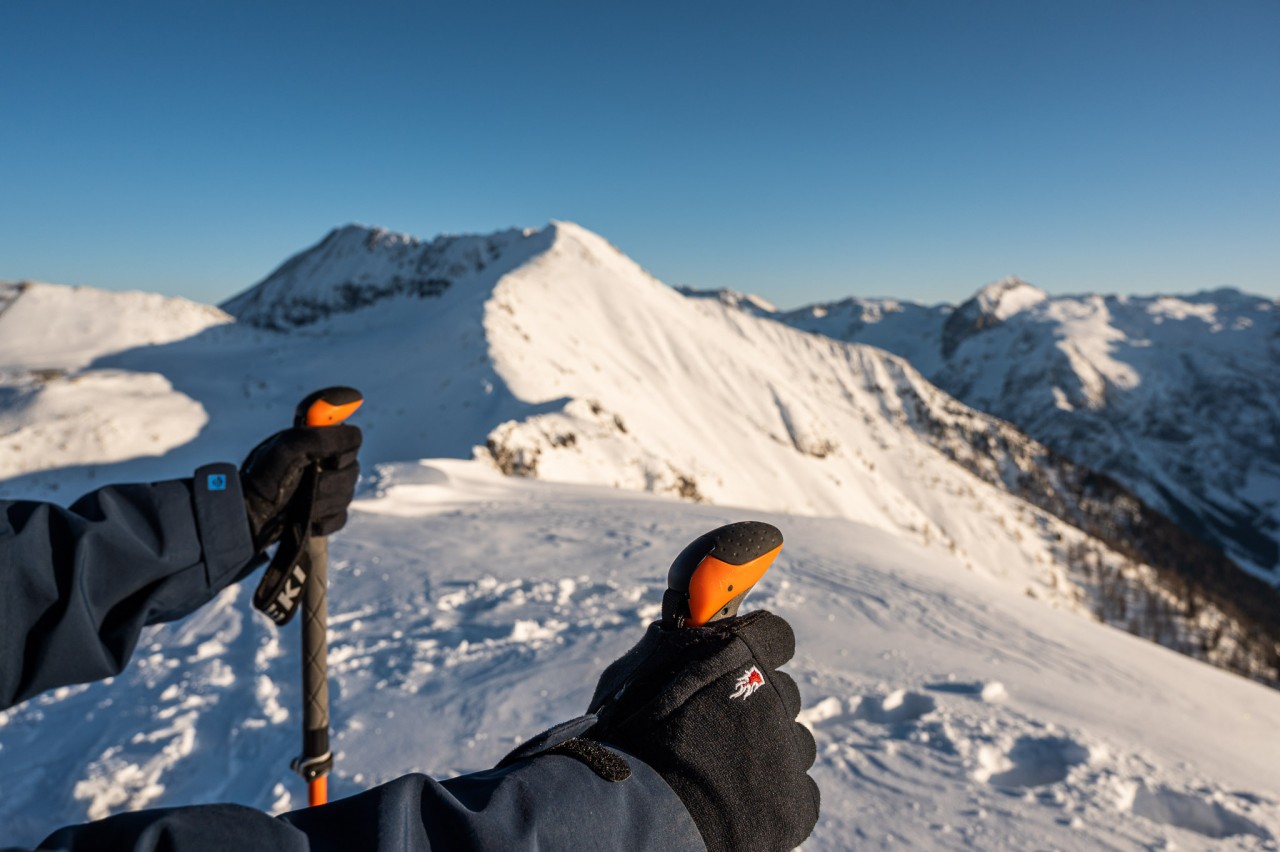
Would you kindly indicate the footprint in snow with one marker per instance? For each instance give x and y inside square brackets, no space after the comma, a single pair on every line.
[895,708]
[989,692]
[1202,814]
[1030,762]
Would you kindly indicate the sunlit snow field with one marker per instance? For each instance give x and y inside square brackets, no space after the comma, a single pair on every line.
[471,610]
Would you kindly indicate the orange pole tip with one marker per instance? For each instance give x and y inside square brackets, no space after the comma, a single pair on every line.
[318,791]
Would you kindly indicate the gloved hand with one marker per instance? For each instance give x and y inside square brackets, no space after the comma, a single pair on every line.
[708,710]
[272,472]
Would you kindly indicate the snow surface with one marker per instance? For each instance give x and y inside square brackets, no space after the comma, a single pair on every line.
[470,610]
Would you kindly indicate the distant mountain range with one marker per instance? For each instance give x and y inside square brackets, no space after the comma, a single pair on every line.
[549,353]
[1178,397]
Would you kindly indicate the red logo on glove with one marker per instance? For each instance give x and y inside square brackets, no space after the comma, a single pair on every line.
[748,683]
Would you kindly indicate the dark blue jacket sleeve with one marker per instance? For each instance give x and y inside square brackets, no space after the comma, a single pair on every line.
[81,583]
[544,802]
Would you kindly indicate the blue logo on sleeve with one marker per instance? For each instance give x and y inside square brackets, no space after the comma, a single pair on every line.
[217,482]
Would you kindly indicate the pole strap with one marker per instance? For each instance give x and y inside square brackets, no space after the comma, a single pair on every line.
[280,590]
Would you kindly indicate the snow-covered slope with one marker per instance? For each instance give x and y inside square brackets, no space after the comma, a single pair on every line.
[55,412]
[950,710]
[54,328]
[590,370]
[903,328]
[1177,397]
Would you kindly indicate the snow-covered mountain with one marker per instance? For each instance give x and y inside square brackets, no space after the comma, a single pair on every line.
[934,544]
[1178,397]
[551,354]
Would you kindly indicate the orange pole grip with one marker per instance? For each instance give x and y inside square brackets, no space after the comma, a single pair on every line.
[716,582]
[323,413]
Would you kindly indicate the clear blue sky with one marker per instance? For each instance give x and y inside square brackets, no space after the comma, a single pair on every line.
[804,151]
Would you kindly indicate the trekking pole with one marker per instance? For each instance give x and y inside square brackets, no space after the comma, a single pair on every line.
[300,569]
[322,408]
[710,577]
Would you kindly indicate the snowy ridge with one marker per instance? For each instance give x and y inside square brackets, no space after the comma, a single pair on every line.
[354,267]
[990,307]
[53,411]
[54,327]
[734,299]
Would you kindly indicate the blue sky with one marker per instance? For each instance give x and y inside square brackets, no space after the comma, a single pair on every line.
[803,151]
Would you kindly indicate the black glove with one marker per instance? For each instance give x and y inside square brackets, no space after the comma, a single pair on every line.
[270,477]
[708,710]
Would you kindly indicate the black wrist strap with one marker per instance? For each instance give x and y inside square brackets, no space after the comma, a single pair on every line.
[280,590]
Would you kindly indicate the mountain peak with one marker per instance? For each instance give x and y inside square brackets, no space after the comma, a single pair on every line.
[989,307]
[355,266]
[1006,297]
[355,236]
[748,302]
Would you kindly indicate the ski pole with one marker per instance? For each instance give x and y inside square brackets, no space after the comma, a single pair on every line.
[710,577]
[299,572]
[327,407]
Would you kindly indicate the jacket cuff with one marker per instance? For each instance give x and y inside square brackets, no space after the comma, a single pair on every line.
[549,739]
[223,522]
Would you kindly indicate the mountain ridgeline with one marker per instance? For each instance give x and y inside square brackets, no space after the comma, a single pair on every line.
[1137,569]
[550,353]
[354,267]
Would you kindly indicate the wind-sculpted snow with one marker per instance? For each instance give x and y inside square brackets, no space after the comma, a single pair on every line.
[470,611]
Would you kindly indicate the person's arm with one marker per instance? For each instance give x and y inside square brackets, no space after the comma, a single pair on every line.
[78,585]
[548,801]
[691,743]
[81,583]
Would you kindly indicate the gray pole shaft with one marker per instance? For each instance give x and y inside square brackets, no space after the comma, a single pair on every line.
[315,647]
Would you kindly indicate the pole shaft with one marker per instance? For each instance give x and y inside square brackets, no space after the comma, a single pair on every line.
[315,652]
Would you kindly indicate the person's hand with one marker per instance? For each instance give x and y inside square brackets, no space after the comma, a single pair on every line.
[271,474]
[709,711]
